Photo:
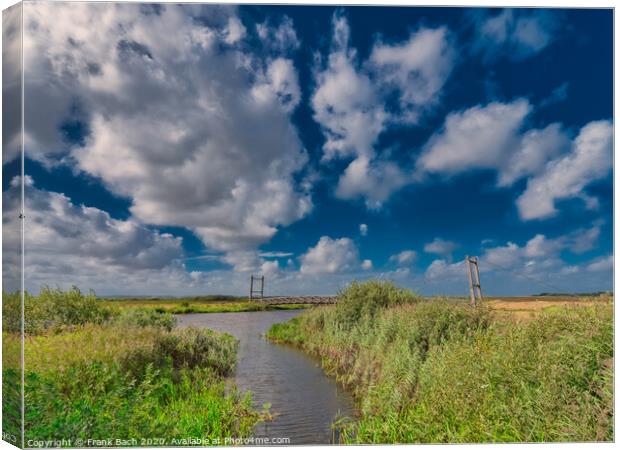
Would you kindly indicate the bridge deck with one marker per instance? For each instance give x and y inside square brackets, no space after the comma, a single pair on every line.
[302,299]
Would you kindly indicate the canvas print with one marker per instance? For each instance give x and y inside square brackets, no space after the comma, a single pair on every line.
[273,225]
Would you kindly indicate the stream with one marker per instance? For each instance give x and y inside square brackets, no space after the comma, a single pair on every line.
[304,400]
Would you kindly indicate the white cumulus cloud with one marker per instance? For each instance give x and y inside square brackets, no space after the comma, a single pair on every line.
[68,244]
[565,177]
[350,104]
[330,256]
[195,128]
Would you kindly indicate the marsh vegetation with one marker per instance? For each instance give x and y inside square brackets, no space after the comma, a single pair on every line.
[96,371]
[440,371]
[420,370]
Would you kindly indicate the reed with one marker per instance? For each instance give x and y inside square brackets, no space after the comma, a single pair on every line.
[434,371]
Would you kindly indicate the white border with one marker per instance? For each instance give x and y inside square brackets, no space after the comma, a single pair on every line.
[482,3]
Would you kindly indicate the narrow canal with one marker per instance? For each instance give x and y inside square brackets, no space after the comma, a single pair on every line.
[304,401]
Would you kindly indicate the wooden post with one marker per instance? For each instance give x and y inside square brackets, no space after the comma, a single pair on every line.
[262,285]
[251,287]
[472,296]
[478,285]
[474,280]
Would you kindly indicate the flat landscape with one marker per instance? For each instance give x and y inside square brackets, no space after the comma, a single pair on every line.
[518,307]
[188,305]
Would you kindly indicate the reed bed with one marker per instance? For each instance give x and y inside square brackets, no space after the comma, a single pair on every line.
[439,371]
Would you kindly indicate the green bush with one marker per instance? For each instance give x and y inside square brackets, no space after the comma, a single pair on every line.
[187,348]
[145,317]
[52,310]
[11,312]
[365,299]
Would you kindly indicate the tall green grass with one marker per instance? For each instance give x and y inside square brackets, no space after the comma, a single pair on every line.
[92,371]
[439,371]
[52,310]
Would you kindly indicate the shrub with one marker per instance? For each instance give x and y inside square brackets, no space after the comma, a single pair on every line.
[52,309]
[145,317]
[365,299]
[11,312]
[187,348]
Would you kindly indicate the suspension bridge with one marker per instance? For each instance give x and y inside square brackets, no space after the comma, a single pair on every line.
[257,288]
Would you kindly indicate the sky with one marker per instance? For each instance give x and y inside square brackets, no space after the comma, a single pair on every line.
[178,149]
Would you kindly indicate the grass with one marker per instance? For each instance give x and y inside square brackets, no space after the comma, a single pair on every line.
[436,371]
[95,371]
[196,304]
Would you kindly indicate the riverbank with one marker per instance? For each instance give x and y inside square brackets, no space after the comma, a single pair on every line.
[93,372]
[436,371]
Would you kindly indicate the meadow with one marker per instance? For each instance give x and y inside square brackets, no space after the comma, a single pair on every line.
[93,372]
[439,371]
[189,305]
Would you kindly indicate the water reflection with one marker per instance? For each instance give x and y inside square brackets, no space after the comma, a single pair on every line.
[304,400]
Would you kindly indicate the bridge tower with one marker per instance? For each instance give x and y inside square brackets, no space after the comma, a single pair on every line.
[475,290]
[256,292]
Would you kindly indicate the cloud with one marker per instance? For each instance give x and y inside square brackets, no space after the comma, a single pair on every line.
[275,254]
[363,229]
[535,149]
[558,95]
[538,262]
[514,33]
[282,38]
[565,177]
[375,181]
[367,264]
[584,239]
[350,104]
[602,264]
[492,137]
[330,256]
[345,102]
[279,84]
[541,247]
[417,69]
[194,128]
[270,269]
[11,82]
[405,257]
[441,247]
[479,137]
[234,31]
[68,244]
[503,257]
[440,269]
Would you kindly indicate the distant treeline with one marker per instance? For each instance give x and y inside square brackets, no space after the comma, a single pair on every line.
[574,294]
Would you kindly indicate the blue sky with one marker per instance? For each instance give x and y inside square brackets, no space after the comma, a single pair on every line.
[315,145]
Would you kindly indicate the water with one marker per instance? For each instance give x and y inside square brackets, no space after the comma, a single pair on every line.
[303,399]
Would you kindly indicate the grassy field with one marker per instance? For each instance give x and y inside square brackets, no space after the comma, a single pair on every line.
[437,370]
[98,372]
[211,304]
